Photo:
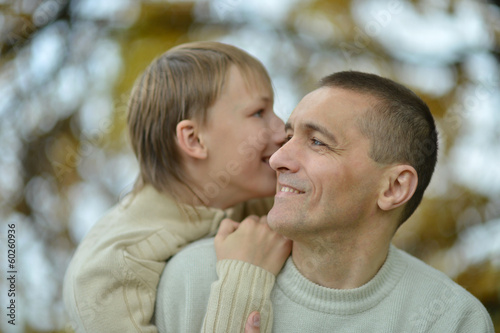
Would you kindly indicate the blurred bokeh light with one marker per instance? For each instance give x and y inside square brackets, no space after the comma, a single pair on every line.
[67,66]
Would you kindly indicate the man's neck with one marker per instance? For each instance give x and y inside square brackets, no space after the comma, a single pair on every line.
[345,264]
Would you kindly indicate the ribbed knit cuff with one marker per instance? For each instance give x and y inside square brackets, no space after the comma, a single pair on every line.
[241,289]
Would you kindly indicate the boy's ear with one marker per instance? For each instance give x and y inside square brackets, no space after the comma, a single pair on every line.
[189,139]
[402,183]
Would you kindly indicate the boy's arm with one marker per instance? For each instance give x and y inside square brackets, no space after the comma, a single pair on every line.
[111,297]
[241,289]
[113,289]
[249,258]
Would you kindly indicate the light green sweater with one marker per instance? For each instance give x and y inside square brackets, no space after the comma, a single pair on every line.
[406,295]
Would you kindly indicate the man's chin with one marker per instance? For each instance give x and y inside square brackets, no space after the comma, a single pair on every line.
[272,218]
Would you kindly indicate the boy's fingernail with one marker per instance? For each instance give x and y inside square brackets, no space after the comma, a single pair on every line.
[256,320]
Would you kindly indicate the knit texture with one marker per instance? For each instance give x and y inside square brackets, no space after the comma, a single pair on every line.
[236,277]
[111,282]
[406,295]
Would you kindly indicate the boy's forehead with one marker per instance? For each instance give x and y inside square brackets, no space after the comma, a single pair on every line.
[256,82]
[252,83]
[254,77]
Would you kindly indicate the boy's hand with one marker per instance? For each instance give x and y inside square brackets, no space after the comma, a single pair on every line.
[254,242]
[253,323]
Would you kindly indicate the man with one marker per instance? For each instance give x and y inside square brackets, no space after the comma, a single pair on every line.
[360,153]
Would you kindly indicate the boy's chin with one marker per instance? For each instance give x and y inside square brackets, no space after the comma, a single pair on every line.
[262,193]
[268,192]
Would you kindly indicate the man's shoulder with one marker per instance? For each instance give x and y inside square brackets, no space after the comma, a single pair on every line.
[184,288]
[194,265]
[203,245]
[422,269]
[435,290]
[202,251]
[426,274]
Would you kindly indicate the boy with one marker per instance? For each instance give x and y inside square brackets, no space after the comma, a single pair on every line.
[202,127]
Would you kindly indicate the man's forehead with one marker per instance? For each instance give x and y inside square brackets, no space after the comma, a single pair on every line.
[330,110]
[307,105]
[315,107]
[332,101]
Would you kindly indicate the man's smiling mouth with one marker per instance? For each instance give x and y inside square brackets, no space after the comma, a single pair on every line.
[290,189]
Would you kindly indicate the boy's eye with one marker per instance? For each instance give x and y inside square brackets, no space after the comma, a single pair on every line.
[288,137]
[259,114]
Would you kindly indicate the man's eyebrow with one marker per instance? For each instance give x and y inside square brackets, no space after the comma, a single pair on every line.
[314,128]
[320,129]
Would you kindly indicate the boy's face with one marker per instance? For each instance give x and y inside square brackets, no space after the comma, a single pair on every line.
[241,135]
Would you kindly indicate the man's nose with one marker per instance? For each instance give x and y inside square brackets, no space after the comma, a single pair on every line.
[277,127]
[285,159]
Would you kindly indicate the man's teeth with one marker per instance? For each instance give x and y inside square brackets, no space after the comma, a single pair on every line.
[289,189]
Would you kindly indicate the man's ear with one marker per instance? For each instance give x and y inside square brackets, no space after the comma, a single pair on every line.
[401,183]
[189,139]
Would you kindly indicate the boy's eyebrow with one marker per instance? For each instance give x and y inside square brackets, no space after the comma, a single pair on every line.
[316,128]
[267,99]
[263,99]
[257,103]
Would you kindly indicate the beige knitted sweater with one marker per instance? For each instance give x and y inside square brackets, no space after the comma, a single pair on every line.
[110,284]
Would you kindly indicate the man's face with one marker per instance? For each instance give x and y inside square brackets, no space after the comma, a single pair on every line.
[326,180]
[241,135]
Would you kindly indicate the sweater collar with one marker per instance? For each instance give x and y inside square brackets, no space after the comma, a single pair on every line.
[157,205]
[342,301]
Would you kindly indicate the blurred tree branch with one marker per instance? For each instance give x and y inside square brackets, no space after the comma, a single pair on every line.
[21,27]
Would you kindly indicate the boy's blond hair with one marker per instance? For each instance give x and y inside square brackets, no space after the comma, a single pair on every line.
[180,84]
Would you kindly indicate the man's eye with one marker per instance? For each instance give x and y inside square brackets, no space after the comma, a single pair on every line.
[317,142]
[288,137]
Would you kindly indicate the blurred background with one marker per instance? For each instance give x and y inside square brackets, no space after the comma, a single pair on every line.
[67,66]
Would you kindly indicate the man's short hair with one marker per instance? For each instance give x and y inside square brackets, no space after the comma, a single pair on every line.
[180,84]
[399,125]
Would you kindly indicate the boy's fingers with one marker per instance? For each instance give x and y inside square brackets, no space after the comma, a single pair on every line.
[253,323]
[227,227]
[252,217]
